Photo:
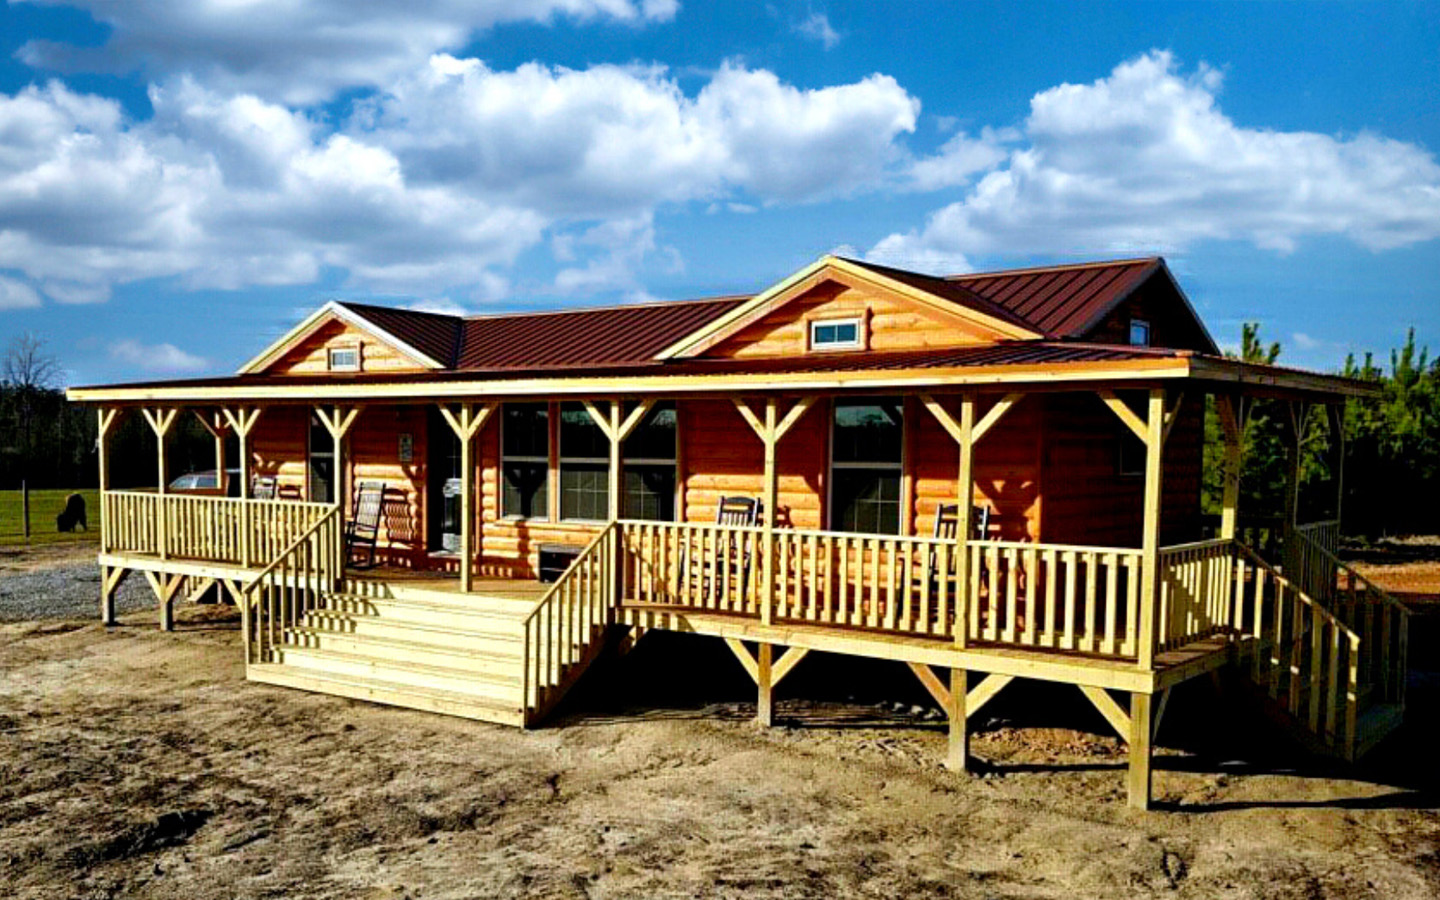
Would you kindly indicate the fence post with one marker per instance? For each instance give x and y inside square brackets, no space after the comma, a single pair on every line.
[25,508]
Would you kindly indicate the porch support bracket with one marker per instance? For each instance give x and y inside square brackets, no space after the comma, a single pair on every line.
[466,423]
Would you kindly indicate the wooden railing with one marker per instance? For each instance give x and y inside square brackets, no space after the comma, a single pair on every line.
[1382,622]
[196,527]
[1197,590]
[1308,558]
[566,626]
[296,581]
[1307,660]
[1083,599]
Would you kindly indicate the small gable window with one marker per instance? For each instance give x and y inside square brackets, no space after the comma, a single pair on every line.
[1139,333]
[344,359]
[835,334]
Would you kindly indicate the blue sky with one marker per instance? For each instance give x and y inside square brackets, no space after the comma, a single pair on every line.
[181,180]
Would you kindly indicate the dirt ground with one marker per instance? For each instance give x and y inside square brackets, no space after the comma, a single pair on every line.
[138,763]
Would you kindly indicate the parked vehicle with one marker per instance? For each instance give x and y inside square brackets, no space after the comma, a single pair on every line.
[207,482]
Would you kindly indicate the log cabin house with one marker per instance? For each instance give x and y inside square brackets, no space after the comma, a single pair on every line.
[985,477]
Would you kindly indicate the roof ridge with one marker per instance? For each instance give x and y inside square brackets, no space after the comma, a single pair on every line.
[571,310]
[1094,264]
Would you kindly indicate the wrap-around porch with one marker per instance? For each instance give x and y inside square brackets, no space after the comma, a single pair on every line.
[1319,645]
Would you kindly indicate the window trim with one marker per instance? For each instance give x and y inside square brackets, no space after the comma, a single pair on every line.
[899,467]
[342,348]
[310,423]
[673,462]
[861,335]
[561,459]
[1143,323]
[542,460]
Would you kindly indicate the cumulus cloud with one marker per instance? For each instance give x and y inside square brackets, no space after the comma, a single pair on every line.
[17,294]
[612,140]
[302,52]
[427,188]
[158,358]
[1145,159]
[817,27]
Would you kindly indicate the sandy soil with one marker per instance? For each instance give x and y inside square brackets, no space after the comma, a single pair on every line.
[137,763]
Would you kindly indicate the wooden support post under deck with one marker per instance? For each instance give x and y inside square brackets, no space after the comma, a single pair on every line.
[764,702]
[957,759]
[1140,751]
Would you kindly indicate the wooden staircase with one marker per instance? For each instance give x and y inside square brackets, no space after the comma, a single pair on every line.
[492,658]
[1329,670]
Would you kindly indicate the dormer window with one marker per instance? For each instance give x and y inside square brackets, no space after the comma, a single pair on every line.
[343,359]
[1139,333]
[835,334]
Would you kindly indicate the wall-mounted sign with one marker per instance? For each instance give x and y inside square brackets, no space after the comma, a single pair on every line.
[407,448]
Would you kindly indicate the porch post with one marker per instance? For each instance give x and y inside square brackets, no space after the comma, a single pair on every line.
[1299,412]
[466,426]
[1336,412]
[338,423]
[965,497]
[1150,535]
[107,419]
[767,580]
[1234,431]
[242,421]
[160,422]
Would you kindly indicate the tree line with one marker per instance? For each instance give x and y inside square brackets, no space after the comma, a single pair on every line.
[1391,481]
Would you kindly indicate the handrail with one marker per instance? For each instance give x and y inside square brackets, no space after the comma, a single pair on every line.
[559,632]
[334,512]
[293,584]
[1369,585]
[1280,579]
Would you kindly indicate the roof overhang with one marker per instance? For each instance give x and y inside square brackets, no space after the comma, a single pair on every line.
[321,317]
[1216,373]
[780,293]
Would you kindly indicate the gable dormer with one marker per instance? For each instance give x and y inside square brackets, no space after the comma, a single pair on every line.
[840,306]
[343,339]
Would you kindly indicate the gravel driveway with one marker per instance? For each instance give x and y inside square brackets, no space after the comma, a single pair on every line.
[67,592]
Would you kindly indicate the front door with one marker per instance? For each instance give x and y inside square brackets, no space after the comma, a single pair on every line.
[443,485]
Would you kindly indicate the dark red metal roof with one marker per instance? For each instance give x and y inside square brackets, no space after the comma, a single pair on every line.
[585,337]
[553,339]
[1061,301]
[433,334]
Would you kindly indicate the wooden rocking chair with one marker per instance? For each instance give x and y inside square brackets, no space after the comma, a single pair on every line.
[263,487]
[740,512]
[363,527]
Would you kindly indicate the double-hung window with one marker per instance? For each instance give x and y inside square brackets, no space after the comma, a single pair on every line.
[584,466]
[648,455]
[321,463]
[867,443]
[525,460]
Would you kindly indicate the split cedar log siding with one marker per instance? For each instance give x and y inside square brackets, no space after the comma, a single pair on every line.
[1050,471]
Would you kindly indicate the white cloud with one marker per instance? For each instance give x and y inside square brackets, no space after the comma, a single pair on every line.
[428,188]
[17,294]
[816,27]
[960,159]
[616,141]
[302,52]
[158,358]
[1145,160]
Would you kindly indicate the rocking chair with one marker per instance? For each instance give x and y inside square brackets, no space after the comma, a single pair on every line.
[738,549]
[363,527]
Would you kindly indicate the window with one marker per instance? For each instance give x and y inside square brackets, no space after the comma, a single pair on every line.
[1139,332]
[835,334]
[584,466]
[648,455]
[321,475]
[867,441]
[525,460]
[1129,453]
[344,359]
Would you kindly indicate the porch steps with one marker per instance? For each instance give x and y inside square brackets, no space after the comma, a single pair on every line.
[377,691]
[433,650]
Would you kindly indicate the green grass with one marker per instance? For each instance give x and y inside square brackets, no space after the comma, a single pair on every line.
[44,506]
